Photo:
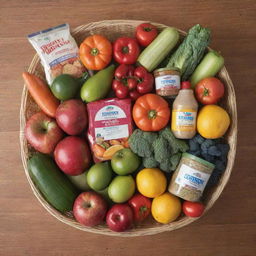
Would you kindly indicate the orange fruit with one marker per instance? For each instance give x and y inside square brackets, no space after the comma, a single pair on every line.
[212,121]
[151,182]
[111,151]
[166,208]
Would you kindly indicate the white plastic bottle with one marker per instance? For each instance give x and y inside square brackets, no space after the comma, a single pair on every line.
[184,113]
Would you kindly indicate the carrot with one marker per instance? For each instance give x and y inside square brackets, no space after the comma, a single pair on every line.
[41,93]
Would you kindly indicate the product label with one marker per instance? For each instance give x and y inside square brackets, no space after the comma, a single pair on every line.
[190,177]
[112,132]
[167,82]
[184,120]
[58,52]
[110,125]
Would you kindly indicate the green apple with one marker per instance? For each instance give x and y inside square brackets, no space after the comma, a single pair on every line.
[105,195]
[99,176]
[121,189]
[80,181]
[124,162]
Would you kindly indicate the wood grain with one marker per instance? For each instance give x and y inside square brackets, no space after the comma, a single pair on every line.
[229,228]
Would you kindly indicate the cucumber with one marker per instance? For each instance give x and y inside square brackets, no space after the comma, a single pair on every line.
[209,66]
[52,182]
[154,54]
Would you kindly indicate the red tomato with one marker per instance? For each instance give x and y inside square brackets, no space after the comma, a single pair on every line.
[146,80]
[132,83]
[122,91]
[126,50]
[209,90]
[146,33]
[141,207]
[193,209]
[122,71]
[116,84]
[134,95]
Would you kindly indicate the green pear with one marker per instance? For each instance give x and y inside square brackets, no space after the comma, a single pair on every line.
[98,86]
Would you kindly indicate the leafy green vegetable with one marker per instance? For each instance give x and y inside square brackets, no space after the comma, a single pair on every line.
[141,142]
[175,144]
[150,162]
[165,165]
[174,160]
[190,51]
[160,149]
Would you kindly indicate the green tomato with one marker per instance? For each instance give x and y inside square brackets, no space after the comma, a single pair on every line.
[125,162]
[99,176]
[65,87]
[121,189]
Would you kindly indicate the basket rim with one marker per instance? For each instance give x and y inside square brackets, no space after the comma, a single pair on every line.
[133,232]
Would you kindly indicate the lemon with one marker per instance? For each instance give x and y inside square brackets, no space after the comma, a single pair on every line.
[151,182]
[166,208]
[212,121]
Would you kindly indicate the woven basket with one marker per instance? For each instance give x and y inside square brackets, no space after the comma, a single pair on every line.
[113,29]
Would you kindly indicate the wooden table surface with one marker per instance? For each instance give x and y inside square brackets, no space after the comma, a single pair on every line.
[229,228]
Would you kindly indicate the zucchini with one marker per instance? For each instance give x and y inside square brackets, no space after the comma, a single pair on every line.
[154,54]
[209,66]
[52,182]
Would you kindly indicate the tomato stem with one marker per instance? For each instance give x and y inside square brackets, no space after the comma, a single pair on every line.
[152,114]
[143,209]
[125,49]
[147,29]
[94,51]
[206,92]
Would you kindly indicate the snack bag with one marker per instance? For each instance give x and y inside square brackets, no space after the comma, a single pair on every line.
[110,125]
[58,52]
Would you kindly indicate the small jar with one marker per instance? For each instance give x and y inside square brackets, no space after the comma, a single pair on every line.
[167,82]
[190,177]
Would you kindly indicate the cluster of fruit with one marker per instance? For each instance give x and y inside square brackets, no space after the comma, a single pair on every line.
[110,180]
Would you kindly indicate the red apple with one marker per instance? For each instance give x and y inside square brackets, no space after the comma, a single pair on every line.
[72,155]
[89,208]
[119,217]
[43,133]
[71,116]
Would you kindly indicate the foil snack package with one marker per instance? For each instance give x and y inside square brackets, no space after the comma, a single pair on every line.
[58,52]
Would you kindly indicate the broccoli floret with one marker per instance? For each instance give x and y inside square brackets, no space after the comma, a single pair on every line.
[160,147]
[208,158]
[174,161]
[220,165]
[175,144]
[205,145]
[213,151]
[150,162]
[150,137]
[140,145]
[223,148]
[198,138]
[214,178]
[195,153]
[165,165]
[193,145]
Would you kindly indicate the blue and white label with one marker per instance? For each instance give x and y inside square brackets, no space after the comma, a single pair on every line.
[110,112]
[190,177]
[167,82]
